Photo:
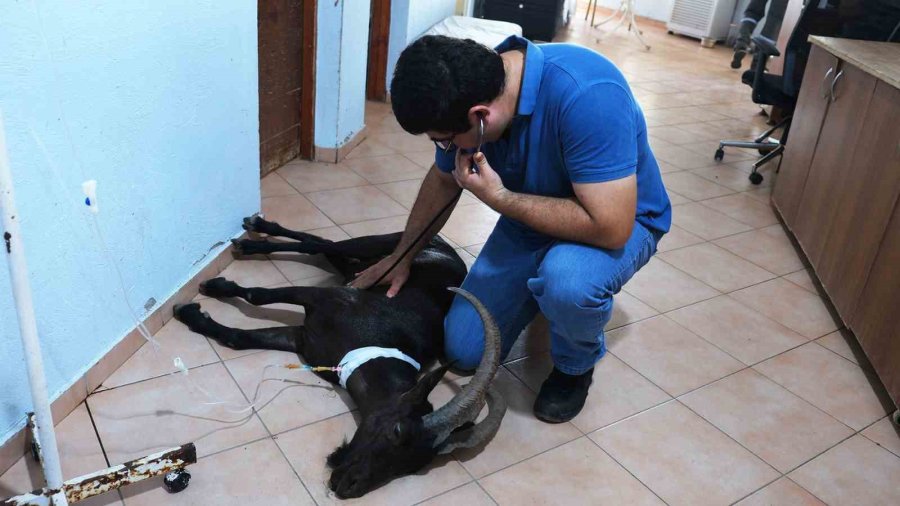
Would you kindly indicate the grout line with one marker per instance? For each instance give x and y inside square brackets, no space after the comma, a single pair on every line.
[97,433]
[626,469]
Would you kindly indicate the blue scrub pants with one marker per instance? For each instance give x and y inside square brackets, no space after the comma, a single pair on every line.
[572,284]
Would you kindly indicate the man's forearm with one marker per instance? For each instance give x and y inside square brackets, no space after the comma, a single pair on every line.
[563,218]
[437,190]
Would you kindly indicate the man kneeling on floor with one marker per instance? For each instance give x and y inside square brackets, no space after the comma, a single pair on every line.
[551,138]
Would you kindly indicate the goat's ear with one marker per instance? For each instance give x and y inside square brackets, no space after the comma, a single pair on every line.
[425,385]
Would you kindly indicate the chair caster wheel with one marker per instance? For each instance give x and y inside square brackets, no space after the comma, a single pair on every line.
[176,481]
[720,154]
[896,417]
[756,177]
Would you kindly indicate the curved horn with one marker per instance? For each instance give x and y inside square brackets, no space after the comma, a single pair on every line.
[466,405]
[483,431]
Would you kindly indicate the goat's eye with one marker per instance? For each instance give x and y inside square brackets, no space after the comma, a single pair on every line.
[397,433]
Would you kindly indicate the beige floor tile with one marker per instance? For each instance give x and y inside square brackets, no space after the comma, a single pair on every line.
[405,193]
[533,340]
[175,340]
[308,447]
[885,434]
[669,355]
[683,459]
[350,205]
[803,278]
[274,185]
[239,314]
[294,212]
[790,305]
[844,344]
[386,169]
[769,248]
[677,237]
[665,168]
[521,435]
[617,392]
[773,423]
[674,134]
[706,223]
[854,472]
[404,142]
[253,271]
[585,472]
[470,225]
[469,495]
[744,209]
[79,453]
[682,158]
[424,159]
[716,267]
[665,288]
[694,187]
[475,249]
[286,399]
[628,309]
[783,492]
[832,384]
[676,198]
[762,194]
[734,178]
[741,332]
[375,227]
[146,417]
[370,147]
[309,177]
[256,473]
[466,257]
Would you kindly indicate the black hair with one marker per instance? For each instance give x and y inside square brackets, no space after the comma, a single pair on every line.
[438,79]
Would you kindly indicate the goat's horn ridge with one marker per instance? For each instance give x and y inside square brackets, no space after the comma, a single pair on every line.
[466,405]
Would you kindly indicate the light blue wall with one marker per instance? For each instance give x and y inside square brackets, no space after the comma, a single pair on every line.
[342,44]
[409,20]
[659,10]
[160,100]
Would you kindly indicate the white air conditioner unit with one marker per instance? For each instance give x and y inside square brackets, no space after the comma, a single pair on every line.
[708,20]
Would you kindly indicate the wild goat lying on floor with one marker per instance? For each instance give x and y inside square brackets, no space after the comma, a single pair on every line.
[399,432]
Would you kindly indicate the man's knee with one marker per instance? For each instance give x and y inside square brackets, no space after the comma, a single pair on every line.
[463,338]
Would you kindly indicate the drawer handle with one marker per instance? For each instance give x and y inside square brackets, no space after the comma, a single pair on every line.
[833,83]
[822,86]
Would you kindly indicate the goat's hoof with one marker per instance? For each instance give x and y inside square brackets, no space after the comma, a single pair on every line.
[251,223]
[237,246]
[182,311]
[218,287]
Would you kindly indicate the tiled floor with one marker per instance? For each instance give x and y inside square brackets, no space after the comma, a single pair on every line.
[728,380]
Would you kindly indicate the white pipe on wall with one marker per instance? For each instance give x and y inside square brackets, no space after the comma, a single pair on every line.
[18,273]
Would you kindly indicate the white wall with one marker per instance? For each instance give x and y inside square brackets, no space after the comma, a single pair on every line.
[158,102]
[342,45]
[409,20]
[659,10]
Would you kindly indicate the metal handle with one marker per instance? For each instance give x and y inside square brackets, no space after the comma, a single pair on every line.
[834,82]
[822,86]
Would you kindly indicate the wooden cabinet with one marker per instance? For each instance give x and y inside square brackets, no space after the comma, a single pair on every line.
[839,187]
[850,92]
[865,195]
[811,106]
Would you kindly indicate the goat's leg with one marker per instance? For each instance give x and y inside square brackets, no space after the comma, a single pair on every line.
[274,338]
[262,226]
[252,247]
[222,288]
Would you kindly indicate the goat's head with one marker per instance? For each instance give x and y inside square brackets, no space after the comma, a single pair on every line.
[405,435]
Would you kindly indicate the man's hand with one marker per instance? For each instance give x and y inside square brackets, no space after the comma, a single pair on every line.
[486,184]
[396,278]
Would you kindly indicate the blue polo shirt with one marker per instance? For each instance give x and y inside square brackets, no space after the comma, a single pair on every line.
[577,122]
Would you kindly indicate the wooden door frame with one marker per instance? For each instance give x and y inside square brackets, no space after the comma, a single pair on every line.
[379,34]
[308,80]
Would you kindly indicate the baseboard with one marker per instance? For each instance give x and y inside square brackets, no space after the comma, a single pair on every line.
[335,155]
[16,446]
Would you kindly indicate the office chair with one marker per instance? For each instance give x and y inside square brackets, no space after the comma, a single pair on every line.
[781,91]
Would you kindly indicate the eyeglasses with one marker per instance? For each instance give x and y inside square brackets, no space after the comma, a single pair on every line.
[447,144]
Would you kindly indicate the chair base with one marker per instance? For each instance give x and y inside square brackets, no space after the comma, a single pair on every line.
[766,145]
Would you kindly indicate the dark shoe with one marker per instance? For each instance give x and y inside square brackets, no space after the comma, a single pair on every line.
[739,55]
[562,396]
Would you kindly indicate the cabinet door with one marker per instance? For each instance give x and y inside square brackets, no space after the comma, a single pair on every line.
[876,321]
[805,127]
[853,90]
[867,191]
